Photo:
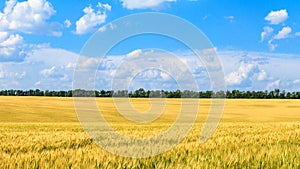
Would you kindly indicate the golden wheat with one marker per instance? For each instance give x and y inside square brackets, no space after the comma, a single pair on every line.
[42,132]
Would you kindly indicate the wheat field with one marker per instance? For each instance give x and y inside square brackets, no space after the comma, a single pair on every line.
[44,132]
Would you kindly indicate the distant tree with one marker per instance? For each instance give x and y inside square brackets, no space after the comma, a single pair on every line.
[271,95]
[69,93]
[282,94]
[266,96]
[139,93]
[220,94]
[156,94]
[276,93]
[288,95]
[102,93]
[208,94]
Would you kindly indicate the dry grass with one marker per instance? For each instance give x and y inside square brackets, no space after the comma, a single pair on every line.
[41,132]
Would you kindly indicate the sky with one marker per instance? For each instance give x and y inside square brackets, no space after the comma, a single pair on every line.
[257,43]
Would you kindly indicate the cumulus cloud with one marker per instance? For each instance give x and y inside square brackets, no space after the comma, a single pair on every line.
[53,69]
[151,69]
[273,85]
[52,57]
[20,75]
[262,75]
[106,27]
[91,18]
[297,33]
[44,68]
[271,45]
[48,72]
[67,23]
[267,31]
[3,36]
[267,69]
[152,79]
[134,4]
[11,47]
[134,53]
[164,76]
[29,17]
[105,6]
[296,81]
[102,29]
[284,33]
[89,64]
[25,17]
[237,77]
[12,40]
[277,17]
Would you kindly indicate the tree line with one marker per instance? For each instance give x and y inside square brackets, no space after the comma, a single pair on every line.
[142,93]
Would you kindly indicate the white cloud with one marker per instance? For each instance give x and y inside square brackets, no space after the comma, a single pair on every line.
[297,33]
[1,73]
[29,17]
[53,69]
[102,29]
[9,5]
[230,18]
[237,77]
[204,17]
[11,46]
[151,69]
[276,67]
[64,78]
[48,72]
[52,57]
[88,63]
[164,76]
[12,40]
[105,27]
[134,53]
[277,17]
[134,4]
[267,31]
[105,6]
[149,74]
[296,81]
[20,75]
[37,83]
[273,85]
[70,65]
[3,36]
[91,19]
[67,23]
[262,75]
[284,33]
[271,45]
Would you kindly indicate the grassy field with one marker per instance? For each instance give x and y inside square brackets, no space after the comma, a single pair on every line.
[43,132]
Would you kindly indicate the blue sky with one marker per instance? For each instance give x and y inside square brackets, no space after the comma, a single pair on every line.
[257,41]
